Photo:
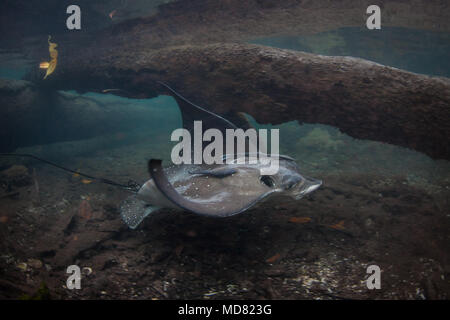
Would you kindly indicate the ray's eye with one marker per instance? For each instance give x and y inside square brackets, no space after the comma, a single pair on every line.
[290,184]
[268,181]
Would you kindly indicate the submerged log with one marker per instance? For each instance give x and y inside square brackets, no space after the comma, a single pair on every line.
[184,45]
[210,21]
[363,99]
[176,22]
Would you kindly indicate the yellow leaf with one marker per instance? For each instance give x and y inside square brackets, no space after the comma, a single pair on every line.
[54,57]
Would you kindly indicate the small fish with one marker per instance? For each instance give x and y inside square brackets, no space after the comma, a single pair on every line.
[76,175]
[338,226]
[86,181]
[273,258]
[44,65]
[112,13]
[300,219]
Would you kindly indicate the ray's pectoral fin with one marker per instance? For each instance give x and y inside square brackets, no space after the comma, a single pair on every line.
[165,187]
[133,211]
[217,173]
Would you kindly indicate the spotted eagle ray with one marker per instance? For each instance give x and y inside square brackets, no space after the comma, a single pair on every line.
[217,190]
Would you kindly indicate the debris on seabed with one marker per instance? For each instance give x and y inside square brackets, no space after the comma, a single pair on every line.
[87,271]
[300,219]
[35,263]
[22,266]
[273,258]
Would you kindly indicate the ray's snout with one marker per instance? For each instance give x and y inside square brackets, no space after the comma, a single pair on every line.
[307,185]
[290,181]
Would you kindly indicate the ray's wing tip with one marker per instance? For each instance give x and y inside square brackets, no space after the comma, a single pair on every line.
[153,165]
[155,161]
